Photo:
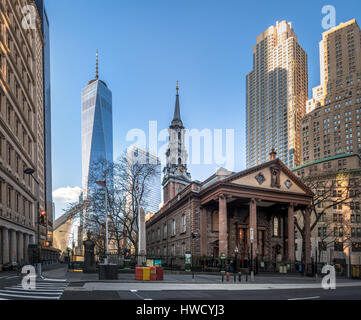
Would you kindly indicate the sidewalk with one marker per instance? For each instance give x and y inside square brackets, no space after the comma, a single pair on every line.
[61,272]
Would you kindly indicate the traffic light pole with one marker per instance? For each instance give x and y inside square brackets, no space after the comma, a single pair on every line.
[38,269]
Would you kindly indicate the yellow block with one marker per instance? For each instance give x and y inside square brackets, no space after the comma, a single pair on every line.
[146,274]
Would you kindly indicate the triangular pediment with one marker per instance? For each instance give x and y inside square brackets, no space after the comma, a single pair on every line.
[273,175]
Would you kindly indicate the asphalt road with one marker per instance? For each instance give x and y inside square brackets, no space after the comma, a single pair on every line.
[353,293]
[10,289]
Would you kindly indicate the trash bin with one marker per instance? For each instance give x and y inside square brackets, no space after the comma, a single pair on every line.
[160,274]
[139,274]
[153,273]
[146,274]
[108,272]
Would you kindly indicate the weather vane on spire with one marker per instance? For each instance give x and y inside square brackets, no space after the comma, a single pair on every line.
[177,86]
[97,67]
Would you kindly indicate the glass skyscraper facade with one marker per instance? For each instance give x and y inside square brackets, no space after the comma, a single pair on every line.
[97,126]
[153,195]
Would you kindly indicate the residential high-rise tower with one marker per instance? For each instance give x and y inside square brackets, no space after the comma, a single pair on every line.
[332,127]
[277,91]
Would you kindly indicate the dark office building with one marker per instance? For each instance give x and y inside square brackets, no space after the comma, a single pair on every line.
[47,116]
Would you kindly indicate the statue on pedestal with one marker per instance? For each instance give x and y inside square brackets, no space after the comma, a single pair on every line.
[89,260]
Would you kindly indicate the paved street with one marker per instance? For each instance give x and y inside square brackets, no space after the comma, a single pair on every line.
[301,294]
[60,284]
[12,289]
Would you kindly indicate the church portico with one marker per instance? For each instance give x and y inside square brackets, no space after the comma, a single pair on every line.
[230,218]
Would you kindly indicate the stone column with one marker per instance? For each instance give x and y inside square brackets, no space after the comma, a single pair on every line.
[20,247]
[307,237]
[13,246]
[223,238]
[203,232]
[26,245]
[5,246]
[291,234]
[253,224]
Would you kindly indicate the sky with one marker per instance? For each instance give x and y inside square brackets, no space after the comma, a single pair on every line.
[145,47]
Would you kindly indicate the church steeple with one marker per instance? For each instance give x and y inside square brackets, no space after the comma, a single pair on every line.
[176,175]
[177,121]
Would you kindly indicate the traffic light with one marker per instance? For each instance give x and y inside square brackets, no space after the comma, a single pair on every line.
[42,217]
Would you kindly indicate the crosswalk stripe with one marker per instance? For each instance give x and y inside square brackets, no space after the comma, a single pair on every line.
[33,292]
[28,297]
[43,290]
[39,288]
[55,280]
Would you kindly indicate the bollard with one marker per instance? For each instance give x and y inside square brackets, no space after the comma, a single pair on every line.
[222,277]
[227,276]
[235,278]
[240,277]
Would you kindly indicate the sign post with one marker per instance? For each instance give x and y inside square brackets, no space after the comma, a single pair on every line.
[252,263]
[188,262]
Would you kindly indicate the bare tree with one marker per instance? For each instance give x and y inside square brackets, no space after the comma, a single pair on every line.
[127,184]
[331,192]
[337,229]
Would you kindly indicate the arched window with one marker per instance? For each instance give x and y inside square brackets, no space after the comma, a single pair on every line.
[276,227]
[179,161]
[179,137]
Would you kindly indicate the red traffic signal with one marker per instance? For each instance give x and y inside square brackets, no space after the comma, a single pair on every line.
[42,213]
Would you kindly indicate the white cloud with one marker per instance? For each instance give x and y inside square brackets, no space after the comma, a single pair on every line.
[63,196]
[67,194]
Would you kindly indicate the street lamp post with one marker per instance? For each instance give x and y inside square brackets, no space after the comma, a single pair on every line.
[140,258]
[30,171]
[235,260]
[103,184]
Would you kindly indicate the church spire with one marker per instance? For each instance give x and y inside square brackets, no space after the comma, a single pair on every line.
[177,122]
[97,66]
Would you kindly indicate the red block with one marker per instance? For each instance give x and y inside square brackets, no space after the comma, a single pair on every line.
[160,274]
[139,274]
[153,273]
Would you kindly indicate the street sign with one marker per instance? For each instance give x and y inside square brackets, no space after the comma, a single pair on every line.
[252,235]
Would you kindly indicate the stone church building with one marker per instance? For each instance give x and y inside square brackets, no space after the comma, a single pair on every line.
[216,216]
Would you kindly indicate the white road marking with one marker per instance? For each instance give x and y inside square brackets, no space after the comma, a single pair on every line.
[55,280]
[28,296]
[36,290]
[33,292]
[135,293]
[43,290]
[308,298]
